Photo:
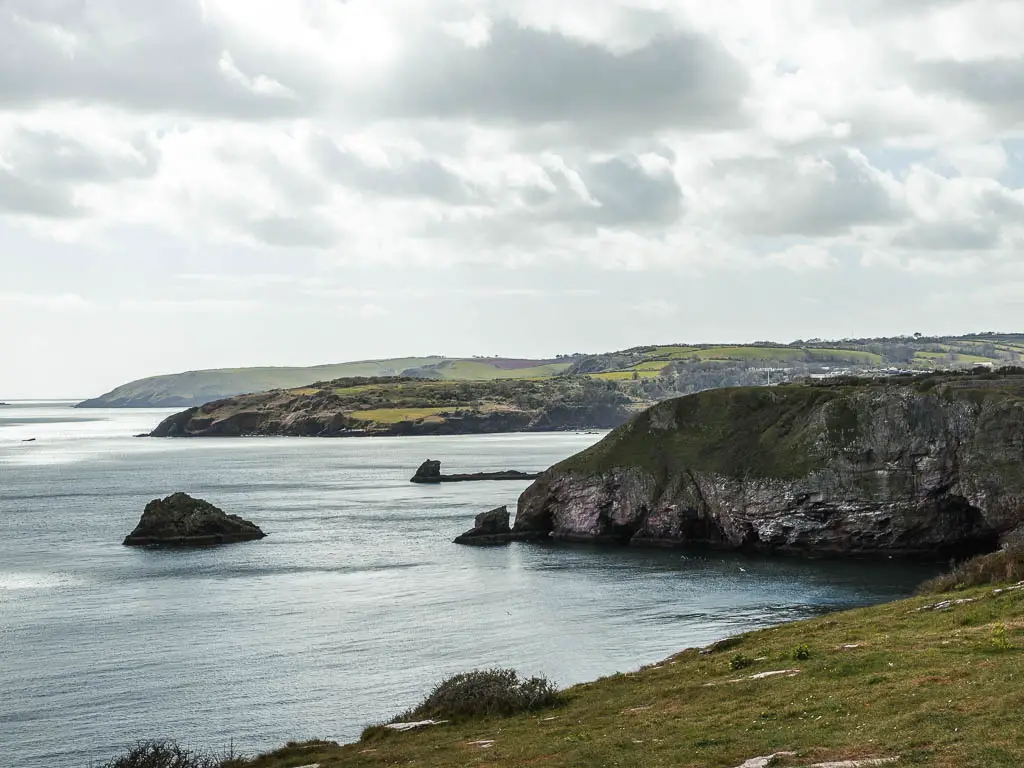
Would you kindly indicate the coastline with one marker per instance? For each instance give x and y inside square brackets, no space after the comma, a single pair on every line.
[894,681]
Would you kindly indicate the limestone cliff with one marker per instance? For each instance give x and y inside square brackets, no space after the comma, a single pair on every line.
[926,466]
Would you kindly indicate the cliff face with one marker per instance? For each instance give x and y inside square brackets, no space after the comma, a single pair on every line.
[929,467]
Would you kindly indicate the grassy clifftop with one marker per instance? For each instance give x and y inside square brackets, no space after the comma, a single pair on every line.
[403,406]
[932,681]
[781,432]
[181,390]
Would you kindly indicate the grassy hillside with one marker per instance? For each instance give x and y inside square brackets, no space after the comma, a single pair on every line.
[775,432]
[648,373]
[405,406]
[932,681]
[181,390]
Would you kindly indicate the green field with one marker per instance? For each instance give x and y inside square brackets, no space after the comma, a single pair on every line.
[731,364]
[475,370]
[398,415]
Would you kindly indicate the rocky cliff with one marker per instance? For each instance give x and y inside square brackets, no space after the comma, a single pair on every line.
[926,466]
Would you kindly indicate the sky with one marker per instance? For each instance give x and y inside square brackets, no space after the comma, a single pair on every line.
[190,184]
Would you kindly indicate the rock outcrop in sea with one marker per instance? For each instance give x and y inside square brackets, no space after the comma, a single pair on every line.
[928,466]
[429,472]
[182,521]
[489,529]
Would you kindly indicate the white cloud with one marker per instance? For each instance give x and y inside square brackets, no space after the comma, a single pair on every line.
[800,258]
[326,146]
[60,303]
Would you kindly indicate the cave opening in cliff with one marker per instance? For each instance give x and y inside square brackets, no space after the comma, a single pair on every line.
[964,532]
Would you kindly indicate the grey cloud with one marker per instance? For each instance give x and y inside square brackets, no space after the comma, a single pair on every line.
[996,84]
[949,236]
[144,56]
[982,227]
[622,195]
[526,76]
[23,196]
[628,194]
[413,178]
[625,195]
[295,185]
[868,9]
[293,231]
[1004,205]
[47,155]
[165,57]
[791,203]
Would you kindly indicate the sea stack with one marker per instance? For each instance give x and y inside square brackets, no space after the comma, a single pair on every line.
[429,472]
[182,521]
[489,529]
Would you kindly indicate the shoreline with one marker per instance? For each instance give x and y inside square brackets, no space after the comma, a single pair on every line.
[869,683]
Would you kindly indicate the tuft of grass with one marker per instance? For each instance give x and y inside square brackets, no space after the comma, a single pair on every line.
[484,693]
[740,661]
[1001,567]
[800,652]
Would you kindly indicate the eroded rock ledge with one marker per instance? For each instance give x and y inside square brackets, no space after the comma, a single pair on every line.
[928,467]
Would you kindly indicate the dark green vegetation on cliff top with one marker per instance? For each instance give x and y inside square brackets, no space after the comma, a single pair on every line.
[931,680]
[348,407]
[650,373]
[789,430]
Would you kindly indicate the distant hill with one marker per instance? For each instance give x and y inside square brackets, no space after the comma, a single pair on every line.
[650,373]
[183,390]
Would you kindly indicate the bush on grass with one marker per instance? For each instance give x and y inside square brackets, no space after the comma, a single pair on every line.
[484,693]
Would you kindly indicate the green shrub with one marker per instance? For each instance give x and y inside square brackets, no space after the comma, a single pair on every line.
[1000,641]
[484,693]
[800,652]
[740,661]
[996,568]
[168,754]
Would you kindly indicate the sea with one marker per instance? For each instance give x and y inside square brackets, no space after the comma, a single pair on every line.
[355,604]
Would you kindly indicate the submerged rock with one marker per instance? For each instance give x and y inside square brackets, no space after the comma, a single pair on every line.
[489,529]
[182,521]
[927,467]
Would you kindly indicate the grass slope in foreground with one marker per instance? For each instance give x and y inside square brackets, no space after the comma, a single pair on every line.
[935,680]
[409,407]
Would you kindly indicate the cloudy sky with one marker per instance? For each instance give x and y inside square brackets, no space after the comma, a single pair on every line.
[208,183]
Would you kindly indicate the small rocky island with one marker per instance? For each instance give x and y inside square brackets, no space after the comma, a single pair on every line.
[489,529]
[182,521]
[430,472]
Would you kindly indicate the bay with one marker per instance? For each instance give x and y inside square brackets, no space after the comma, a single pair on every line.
[352,607]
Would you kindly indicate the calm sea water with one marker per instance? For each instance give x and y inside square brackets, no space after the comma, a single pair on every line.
[355,604]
